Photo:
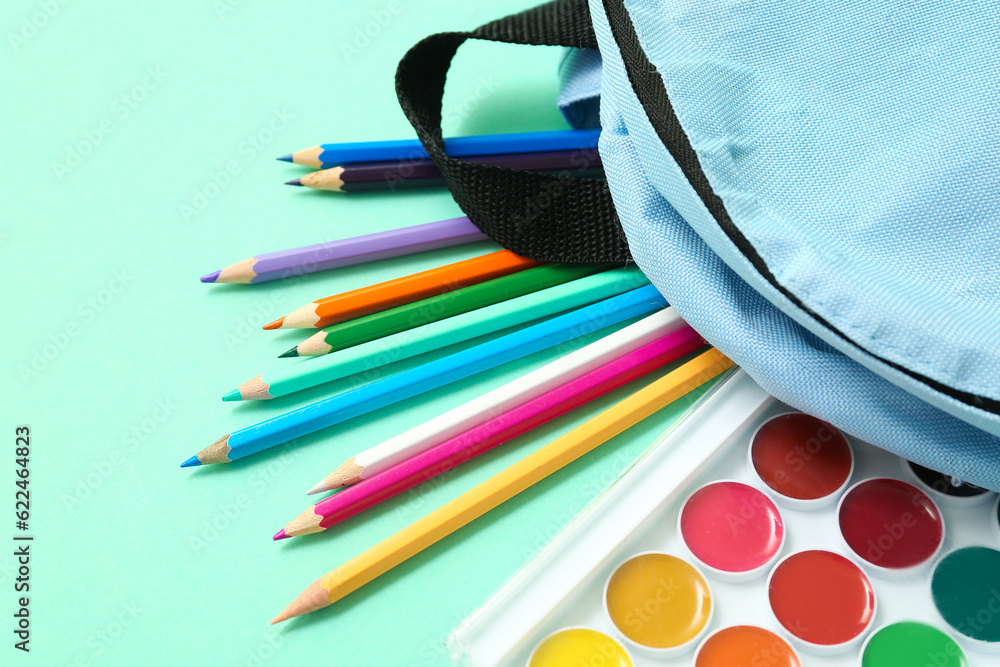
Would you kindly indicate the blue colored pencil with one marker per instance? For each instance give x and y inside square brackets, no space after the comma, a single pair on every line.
[406,384]
[335,155]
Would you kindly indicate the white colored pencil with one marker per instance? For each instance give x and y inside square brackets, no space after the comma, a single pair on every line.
[500,400]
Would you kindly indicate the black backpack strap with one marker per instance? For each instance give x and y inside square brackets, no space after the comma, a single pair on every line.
[540,216]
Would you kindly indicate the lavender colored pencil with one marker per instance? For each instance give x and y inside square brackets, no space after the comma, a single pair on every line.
[423,172]
[355,250]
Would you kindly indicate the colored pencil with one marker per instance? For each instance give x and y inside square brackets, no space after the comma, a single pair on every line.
[424,173]
[414,381]
[346,252]
[331,310]
[525,388]
[505,485]
[425,311]
[332,155]
[484,437]
[436,335]
[317,180]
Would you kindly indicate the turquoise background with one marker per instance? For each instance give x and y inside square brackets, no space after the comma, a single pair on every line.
[138,154]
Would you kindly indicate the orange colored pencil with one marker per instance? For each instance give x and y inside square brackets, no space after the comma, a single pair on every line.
[375,298]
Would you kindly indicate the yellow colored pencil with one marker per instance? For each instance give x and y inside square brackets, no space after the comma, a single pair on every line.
[505,485]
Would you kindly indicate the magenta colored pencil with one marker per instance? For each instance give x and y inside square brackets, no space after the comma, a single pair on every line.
[345,252]
[483,437]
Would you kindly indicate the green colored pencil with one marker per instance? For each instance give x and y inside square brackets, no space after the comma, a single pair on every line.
[436,335]
[439,307]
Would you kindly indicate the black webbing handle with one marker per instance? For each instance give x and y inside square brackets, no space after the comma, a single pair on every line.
[545,217]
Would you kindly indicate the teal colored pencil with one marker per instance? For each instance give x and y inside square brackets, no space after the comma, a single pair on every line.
[414,381]
[434,336]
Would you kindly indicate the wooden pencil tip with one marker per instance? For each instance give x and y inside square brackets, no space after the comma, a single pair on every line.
[306,523]
[240,272]
[347,474]
[254,389]
[275,324]
[287,158]
[217,452]
[314,345]
[324,179]
[210,277]
[308,157]
[302,318]
[310,599]
[294,352]
[294,181]
[319,488]
[280,535]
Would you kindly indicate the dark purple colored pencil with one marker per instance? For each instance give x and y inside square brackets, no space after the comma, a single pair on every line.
[422,173]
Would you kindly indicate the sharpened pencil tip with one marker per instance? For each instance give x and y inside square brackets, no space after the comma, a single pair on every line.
[191,462]
[319,488]
[294,181]
[234,395]
[284,615]
[210,277]
[311,599]
[294,352]
[275,324]
[287,158]
[280,535]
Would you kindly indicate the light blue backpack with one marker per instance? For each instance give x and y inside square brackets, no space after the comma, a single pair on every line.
[813,185]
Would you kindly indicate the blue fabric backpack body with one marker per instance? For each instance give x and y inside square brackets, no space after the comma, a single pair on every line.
[813,186]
